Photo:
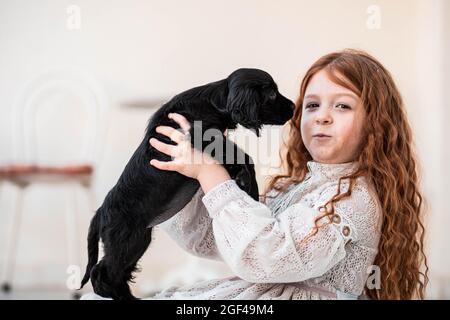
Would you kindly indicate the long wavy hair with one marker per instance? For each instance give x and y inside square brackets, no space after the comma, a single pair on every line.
[386,159]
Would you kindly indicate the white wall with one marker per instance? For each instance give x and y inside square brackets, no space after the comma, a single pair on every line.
[150,50]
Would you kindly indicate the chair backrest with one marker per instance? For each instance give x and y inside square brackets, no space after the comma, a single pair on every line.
[60,117]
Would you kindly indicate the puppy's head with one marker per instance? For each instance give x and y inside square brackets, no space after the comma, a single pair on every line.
[253,100]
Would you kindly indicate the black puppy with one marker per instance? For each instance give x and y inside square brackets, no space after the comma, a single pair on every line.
[145,196]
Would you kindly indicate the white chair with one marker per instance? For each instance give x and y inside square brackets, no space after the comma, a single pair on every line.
[33,165]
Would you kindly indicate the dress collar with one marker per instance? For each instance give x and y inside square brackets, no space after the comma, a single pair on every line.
[331,170]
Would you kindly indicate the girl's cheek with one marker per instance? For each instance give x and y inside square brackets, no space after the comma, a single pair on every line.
[346,123]
[306,121]
[305,130]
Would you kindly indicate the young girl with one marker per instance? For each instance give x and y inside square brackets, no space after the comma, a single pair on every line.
[345,219]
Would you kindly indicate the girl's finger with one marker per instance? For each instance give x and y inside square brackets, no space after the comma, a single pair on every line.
[163,165]
[174,134]
[181,120]
[163,147]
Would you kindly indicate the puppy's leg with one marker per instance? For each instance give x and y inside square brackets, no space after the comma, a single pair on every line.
[241,168]
[120,261]
[101,281]
[137,248]
[246,180]
[107,276]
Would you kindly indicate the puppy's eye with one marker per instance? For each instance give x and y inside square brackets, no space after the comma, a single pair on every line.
[272,95]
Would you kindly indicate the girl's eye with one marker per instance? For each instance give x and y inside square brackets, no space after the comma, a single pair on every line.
[343,106]
[311,105]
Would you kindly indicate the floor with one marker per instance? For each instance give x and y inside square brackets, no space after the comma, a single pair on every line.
[40,294]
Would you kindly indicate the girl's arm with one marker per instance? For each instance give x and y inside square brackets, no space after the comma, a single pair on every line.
[261,248]
[191,229]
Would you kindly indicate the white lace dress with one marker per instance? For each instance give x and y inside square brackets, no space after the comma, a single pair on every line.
[262,243]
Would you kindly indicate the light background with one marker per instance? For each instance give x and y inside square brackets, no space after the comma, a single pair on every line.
[144,52]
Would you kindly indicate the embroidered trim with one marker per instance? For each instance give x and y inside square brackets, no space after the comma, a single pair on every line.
[220,195]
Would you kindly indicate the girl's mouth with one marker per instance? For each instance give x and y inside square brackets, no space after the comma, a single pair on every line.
[321,136]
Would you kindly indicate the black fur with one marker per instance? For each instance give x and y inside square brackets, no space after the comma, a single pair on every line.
[145,196]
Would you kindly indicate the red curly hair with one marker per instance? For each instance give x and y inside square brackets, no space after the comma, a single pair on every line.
[387,161]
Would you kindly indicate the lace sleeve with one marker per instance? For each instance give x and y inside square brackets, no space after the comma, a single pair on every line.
[261,248]
[191,229]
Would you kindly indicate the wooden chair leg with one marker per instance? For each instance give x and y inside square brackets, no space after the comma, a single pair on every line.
[73,239]
[13,240]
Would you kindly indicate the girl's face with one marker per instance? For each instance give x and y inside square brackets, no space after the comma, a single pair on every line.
[332,121]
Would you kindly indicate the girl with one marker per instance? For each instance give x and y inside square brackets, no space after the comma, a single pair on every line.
[345,219]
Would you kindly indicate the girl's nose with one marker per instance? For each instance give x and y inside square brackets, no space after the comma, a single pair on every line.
[323,116]
[324,121]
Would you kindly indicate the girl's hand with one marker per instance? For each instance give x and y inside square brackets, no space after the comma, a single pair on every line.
[186,159]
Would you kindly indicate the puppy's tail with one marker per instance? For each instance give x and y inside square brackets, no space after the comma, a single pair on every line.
[93,239]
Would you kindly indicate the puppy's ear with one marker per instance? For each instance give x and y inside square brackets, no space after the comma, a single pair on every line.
[269,94]
[243,104]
